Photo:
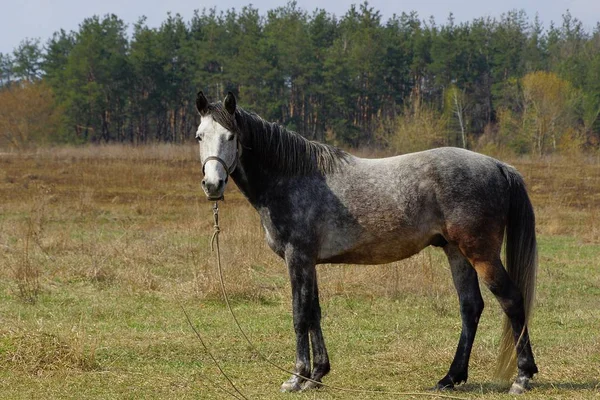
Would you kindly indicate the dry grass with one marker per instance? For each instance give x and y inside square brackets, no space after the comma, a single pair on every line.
[566,195]
[39,352]
[99,245]
[140,220]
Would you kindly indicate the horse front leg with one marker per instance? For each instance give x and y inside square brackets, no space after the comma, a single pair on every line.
[321,364]
[307,315]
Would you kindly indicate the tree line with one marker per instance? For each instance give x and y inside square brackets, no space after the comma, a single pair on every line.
[354,80]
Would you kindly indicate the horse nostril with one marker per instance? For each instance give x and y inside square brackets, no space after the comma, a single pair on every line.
[220,184]
[204,183]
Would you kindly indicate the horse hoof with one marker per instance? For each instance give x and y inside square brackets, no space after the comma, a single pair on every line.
[445,383]
[517,388]
[440,387]
[291,385]
[308,385]
[520,385]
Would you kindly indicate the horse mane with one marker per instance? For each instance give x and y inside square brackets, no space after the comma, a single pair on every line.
[283,151]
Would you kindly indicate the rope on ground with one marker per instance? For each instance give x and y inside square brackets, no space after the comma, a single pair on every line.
[214,360]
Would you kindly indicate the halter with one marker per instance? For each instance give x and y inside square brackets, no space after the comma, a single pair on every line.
[228,169]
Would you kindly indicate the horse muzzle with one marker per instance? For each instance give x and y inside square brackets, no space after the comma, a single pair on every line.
[214,190]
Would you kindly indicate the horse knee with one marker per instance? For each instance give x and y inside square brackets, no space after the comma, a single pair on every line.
[527,367]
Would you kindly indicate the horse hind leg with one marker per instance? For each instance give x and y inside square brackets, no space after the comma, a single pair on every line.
[471,307]
[510,298]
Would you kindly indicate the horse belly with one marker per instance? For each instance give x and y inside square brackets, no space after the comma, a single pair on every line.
[391,213]
[374,249]
[371,255]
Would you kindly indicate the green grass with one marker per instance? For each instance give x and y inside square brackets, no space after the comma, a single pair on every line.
[137,344]
[114,263]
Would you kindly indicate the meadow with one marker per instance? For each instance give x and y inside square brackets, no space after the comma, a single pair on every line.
[102,246]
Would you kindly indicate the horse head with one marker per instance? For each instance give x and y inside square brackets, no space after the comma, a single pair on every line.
[218,138]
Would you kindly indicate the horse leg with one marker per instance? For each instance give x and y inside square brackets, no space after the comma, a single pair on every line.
[320,358]
[303,280]
[471,307]
[511,300]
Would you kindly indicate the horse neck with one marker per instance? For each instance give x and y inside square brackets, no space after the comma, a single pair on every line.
[252,176]
[254,181]
[271,154]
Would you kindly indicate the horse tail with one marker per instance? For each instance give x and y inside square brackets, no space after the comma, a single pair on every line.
[521,263]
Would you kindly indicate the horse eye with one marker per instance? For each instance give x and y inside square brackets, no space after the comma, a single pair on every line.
[199,138]
[230,138]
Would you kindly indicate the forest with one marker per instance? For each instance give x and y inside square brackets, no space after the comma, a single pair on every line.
[356,80]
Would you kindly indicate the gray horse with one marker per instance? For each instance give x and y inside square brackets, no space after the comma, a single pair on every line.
[319,204]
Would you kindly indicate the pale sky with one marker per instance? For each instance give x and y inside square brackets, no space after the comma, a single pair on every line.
[40,18]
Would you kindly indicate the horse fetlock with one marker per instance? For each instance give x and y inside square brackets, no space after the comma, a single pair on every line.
[302,368]
[320,370]
[527,368]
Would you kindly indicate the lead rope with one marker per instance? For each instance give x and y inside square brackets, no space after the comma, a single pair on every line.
[214,361]
[204,345]
[214,244]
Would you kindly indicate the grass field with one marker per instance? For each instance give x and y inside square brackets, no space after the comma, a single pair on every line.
[100,247]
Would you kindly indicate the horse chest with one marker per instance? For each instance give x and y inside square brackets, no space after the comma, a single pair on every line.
[274,242]
[273,234]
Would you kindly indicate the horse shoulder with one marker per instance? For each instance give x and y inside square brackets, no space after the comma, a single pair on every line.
[292,215]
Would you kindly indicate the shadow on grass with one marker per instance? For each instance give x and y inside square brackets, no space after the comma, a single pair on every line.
[491,387]
[589,385]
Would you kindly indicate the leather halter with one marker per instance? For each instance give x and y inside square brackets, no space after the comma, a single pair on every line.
[228,169]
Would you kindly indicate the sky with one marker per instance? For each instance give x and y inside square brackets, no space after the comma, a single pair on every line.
[40,19]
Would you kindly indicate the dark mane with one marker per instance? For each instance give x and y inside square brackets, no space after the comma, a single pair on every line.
[284,151]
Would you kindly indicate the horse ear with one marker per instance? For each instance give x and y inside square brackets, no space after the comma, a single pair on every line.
[230,103]
[201,103]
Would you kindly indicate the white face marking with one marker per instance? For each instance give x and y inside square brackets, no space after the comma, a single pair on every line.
[215,141]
